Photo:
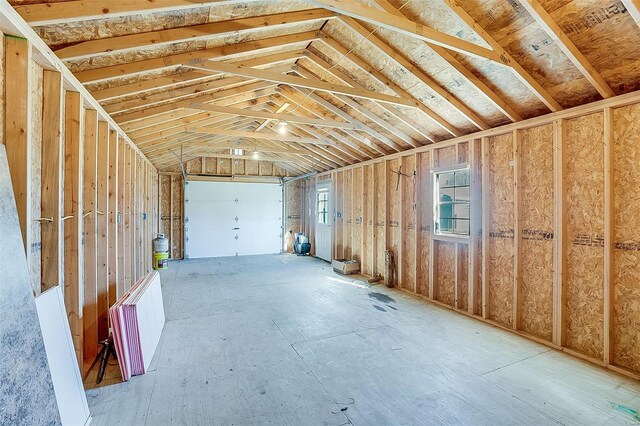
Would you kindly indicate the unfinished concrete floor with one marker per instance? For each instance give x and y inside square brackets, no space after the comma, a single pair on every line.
[284,340]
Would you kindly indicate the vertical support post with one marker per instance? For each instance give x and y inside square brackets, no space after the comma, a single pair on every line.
[17,124]
[475,224]
[517,231]
[559,240]
[120,215]
[432,253]
[102,223]
[73,254]
[486,225]
[112,185]
[171,213]
[90,305]
[374,221]
[51,191]
[363,226]
[385,204]
[401,225]
[417,188]
[609,293]
[456,275]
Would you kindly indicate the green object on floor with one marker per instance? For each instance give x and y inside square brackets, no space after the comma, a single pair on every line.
[626,410]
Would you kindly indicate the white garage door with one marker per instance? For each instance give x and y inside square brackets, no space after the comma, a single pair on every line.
[232,219]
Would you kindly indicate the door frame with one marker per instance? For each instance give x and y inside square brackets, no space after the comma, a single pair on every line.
[328,186]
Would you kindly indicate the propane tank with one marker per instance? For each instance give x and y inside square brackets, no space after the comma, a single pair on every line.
[160,252]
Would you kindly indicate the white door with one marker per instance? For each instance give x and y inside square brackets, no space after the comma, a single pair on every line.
[232,219]
[323,219]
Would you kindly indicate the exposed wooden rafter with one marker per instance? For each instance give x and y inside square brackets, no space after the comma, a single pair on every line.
[273,116]
[256,135]
[189,33]
[57,12]
[410,28]
[296,81]
[526,78]
[566,45]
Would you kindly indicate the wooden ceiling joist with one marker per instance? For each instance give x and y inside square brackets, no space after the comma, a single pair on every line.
[380,77]
[168,119]
[337,111]
[380,147]
[355,106]
[297,81]
[259,89]
[550,26]
[485,90]
[122,43]
[58,12]
[406,63]
[409,28]
[526,78]
[192,90]
[272,116]
[176,127]
[168,61]
[326,68]
[191,78]
[145,134]
[249,135]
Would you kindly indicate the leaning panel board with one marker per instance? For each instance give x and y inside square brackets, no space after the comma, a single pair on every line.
[536,219]
[585,234]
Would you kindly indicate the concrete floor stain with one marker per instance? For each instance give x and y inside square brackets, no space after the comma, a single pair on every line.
[381,297]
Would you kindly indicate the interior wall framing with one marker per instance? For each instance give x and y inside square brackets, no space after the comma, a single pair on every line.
[63,160]
[554,249]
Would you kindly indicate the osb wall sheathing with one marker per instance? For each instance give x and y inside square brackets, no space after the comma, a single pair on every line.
[536,221]
[409,222]
[338,233]
[500,252]
[357,227]
[347,212]
[445,272]
[462,299]
[626,276]
[368,221]
[584,180]
[35,156]
[165,204]
[293,212]
[423,176]
[380,199]
[178,215]
[446,156]
[394,211]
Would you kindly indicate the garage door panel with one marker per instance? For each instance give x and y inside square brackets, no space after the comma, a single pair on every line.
[229,218]
[202,210]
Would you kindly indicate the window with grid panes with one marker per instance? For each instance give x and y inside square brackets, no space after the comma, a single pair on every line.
[451,196]
[323,207]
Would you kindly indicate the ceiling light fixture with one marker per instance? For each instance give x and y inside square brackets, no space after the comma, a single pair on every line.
[283,127]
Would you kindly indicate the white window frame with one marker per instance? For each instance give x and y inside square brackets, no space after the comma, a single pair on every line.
[437,203]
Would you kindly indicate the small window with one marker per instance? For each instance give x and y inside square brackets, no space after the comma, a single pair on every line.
[236,151]
[451,196]
[323,207]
